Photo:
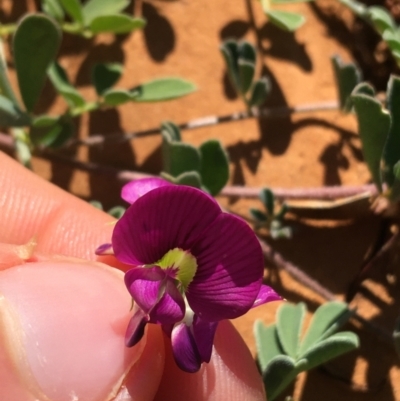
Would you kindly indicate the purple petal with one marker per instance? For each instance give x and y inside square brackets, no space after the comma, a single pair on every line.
[203,333]
[133,190]
[104,249]
[184,348]
[266,294]
[230,270]
[165,218]
[170,308]
[144,285]
[135,330]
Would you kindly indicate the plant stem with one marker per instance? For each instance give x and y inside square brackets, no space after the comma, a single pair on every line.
[276,112]
[300,276]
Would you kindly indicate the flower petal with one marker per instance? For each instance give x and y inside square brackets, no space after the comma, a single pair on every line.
[135,329]
[230,269]
[170,308]
[144,285]
[203,333]
[184,348]
[104,249]
[265,295]
[133,190]
[165,218]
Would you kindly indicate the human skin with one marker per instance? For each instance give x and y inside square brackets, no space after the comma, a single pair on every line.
[63,319]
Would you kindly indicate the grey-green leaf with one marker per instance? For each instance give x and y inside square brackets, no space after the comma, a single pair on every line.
[289,325]
[60,81]
[11,115]
[285,20]
[373,127]
[53,8]
[117,211]
[106,75]
[330,348]
[115,97]
[268,199]
[267,343]
[258,215]
[116,23]
[162,89]
[96,8]
[381,18]
[73,9]
[246,75]
[53,136]
[391,153]
[230,52]
[327,319]
[171,130]
[364,88]
[280,372]
[190,178]
[179,157]
[36,43]
[214,167]
[347,76]
[260,91]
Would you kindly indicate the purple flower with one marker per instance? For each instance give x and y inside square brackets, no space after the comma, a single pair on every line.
[193,266]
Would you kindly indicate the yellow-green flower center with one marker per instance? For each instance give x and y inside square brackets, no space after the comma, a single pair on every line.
[183,261]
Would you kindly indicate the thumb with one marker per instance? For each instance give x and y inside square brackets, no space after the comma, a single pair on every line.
[62,326]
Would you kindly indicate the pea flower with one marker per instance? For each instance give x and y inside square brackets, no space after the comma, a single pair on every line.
[193,265]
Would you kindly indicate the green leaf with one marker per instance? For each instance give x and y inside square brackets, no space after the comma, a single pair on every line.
[36,43]
[326,320]
[190,178]
[381,18]
[179,157]
[117,211]
[230,52]
[347,76]
[214,167]
[5,85]
[73,9]
[53,136]
[330,348]
[162,89]
[172,130]
[97,204]
[392,38]
[373,127]
[289,324]
[267,343]
[260,91]
[115,97]
[280,372]
[117,23]
[391,152]
[268,199]
[246,75]
[11,115]
[394,194]
[96,8]
[106,75]
[285,20]
[44,121]
[246,65]
[258,215]
[53,8]
[60,81]
[22,146]
[364,88]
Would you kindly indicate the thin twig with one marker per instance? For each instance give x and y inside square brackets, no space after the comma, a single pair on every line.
[277,112]
[300,276]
